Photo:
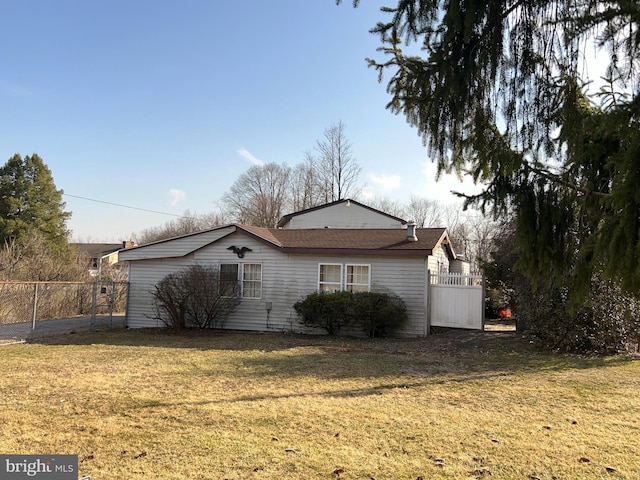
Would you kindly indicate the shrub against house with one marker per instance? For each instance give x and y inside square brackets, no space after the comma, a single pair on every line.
[368,313]
[197,296]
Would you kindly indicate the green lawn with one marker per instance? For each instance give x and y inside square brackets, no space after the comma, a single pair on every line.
[145,404]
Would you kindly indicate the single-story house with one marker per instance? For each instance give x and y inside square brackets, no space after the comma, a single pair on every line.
[343,245]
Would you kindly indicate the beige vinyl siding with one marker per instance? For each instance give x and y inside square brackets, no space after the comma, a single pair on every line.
[343,216]
[439,261]
[251,313]
[459,266]
[177,247]
[143,276]
[296,276]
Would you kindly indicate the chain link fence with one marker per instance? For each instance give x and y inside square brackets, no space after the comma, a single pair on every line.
[34,309]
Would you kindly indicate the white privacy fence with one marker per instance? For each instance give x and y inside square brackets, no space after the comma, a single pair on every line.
[456,300]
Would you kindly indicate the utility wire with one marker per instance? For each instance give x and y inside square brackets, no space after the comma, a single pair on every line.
[123,206]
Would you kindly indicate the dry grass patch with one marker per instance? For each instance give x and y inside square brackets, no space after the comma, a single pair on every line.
[139,404]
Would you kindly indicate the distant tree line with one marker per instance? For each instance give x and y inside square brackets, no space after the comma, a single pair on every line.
[34,233]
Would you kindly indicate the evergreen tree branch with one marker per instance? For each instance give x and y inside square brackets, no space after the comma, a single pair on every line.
[555,178]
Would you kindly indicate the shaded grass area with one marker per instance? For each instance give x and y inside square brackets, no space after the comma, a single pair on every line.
[151,404]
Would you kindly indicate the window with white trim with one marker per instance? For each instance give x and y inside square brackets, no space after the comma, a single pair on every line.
[229,279]
[244,278]
[334,277]
[329,277]
[357,278]
[251,280]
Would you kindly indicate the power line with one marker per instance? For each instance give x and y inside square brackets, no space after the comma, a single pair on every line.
[120,205]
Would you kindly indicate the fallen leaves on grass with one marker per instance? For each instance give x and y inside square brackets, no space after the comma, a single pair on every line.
[478,472]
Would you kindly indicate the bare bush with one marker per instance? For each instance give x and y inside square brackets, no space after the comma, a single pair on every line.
[33,260]
[196,296]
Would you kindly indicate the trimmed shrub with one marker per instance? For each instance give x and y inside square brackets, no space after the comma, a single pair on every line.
[375,314]
[327,311]
[379,314]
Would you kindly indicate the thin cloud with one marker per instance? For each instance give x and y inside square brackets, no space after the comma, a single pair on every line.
[177,196]
[386,182]
[246,154]
[15,90]
[447,182]
[368,192]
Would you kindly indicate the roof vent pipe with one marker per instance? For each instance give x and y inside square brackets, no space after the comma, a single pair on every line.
[411,231]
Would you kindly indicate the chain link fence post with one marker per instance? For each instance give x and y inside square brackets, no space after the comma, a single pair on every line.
[38,309]
[35,307]
[94,301]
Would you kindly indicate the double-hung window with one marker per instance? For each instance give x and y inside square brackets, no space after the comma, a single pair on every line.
[241,279]
[357,278]
[329,277]
[229,286]
[251,280]
[334,277]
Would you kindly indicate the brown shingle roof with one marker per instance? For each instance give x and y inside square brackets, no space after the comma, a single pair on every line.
[354,241]
[97,250]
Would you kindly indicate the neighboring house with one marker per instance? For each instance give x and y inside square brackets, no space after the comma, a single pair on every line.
[99,254]
[314,251]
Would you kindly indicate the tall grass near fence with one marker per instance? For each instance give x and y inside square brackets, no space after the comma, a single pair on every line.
[28,301]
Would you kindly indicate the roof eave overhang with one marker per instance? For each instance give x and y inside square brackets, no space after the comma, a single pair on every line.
[358,251]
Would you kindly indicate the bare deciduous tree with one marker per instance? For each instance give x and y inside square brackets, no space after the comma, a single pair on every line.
[472,234]
[306,190]
[483,233]
[35,260]
[392,207]
[426,213]
[187,223]
[337,168]
[260,195]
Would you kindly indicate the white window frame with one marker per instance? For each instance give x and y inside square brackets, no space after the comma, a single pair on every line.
[321,282]
[343,284]
[244,281]
[241,278]
[348,284]
[222,293]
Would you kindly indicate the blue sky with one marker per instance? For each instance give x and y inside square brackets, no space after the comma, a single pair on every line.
[162,105]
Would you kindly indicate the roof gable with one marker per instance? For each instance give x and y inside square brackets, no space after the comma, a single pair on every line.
[359,214]
[177,246]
